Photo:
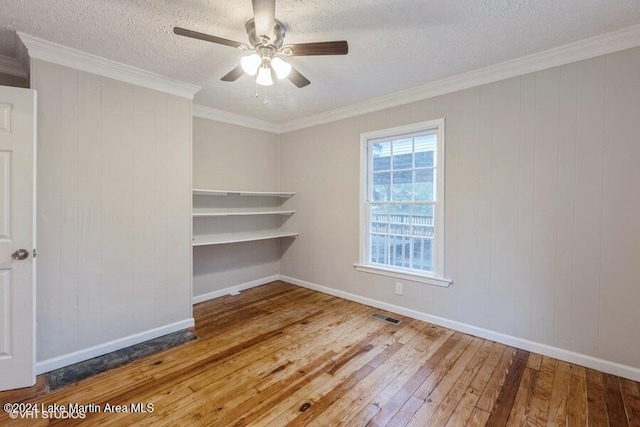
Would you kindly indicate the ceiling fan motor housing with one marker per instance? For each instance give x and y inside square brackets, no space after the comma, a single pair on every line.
[266,40]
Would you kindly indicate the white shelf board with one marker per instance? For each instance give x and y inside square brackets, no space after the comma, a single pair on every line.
[223,238]
[203,192]
[199,212]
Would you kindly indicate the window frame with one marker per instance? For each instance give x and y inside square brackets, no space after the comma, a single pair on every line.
[437,276]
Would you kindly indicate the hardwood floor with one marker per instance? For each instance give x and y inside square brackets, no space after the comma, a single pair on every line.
[284,355]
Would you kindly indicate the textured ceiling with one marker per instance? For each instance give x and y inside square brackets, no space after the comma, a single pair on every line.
[394,45]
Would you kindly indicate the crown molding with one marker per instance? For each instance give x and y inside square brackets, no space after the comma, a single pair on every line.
[616,41]
[625,38]
[12,67]
[234,119]
[44,50]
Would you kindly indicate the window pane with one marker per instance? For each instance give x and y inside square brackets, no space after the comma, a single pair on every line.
[400,229]
[381,190]
[400,219]
[381,155]
[424,210]
[425,148]
[379,246]
[403,154]
[400,251]
[379,218]
[422,220]
[400,210]
[402,186]
[379,208]
[424,188]
[422,254]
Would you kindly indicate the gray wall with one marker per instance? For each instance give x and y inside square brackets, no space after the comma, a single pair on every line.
[542,231]
[229,157]
[114,209]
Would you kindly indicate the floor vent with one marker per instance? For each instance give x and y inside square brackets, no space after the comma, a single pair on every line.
[386,319]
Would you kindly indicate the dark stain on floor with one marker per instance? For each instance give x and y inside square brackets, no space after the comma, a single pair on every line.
[74,373]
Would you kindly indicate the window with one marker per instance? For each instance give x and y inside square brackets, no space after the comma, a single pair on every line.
[402,202]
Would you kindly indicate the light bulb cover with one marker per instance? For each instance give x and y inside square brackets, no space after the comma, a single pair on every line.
[250,64]
[281,67]
[264,76]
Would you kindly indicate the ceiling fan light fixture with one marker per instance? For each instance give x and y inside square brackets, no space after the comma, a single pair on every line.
[264,76]
[266,40]
[251,63]
[281,68]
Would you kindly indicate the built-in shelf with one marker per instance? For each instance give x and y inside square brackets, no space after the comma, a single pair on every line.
[221,239]
[203,212]
[202,192]
[250,209]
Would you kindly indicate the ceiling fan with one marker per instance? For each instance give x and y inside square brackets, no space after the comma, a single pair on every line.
[266,40]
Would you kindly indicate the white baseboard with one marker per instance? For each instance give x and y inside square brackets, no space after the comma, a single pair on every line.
[233,289]
[614,368]
[98,350]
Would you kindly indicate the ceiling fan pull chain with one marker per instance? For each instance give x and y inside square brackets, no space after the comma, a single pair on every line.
[265,96]
[256,90]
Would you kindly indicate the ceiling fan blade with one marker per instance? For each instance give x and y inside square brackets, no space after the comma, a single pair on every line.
[233,75]
[321,48]
[208,38]
[264,15]
[297,78]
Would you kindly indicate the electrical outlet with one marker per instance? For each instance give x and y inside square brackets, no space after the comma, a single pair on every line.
[399,288]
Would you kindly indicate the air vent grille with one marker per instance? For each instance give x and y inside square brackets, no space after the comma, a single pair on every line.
[386,319]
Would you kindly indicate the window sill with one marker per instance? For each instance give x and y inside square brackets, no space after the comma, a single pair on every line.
[430,280]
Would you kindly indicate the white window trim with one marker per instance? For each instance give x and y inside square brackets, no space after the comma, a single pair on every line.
[404,275]
[363,265]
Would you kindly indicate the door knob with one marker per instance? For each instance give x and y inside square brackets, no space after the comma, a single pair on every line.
[20,254]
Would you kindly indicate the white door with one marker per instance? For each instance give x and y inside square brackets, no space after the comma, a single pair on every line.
[17,237]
